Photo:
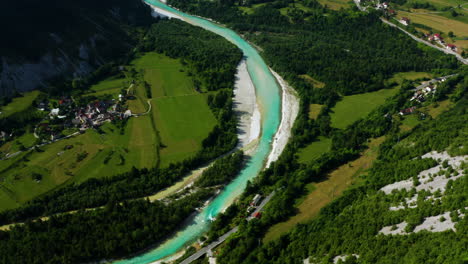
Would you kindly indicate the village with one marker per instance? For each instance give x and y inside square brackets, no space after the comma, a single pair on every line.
[69,115]
[433,38]
[65,117]
[422,93]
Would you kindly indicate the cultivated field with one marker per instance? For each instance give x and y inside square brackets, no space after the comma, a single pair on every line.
[443,23]
[336,4]
[323,192]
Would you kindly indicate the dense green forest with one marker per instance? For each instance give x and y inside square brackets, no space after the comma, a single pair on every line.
[111,232]
[138,183]
[351,52]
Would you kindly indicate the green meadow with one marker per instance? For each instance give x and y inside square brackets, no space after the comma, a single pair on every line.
[353,107]
[315,149]
[183,122]
[19,104]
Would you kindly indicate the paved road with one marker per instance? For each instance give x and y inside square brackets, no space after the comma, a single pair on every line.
[222,238]
[446,51]
[432,81]
[214,244]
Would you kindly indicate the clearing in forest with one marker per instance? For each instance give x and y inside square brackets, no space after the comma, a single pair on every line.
[322,193]
[314,110]
[315,149]
[353,107]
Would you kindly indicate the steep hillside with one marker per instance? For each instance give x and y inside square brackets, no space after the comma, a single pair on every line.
[50,39]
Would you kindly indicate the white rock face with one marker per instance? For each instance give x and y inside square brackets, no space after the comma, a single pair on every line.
[343,257]
[438,182]
[431,183]
[27,76]
[438,223]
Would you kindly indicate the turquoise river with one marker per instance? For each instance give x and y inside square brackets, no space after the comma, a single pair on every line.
[269,99]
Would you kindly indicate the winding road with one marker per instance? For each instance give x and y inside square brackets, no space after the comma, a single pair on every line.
[446,51]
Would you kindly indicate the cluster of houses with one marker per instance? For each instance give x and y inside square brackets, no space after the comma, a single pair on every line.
[440,40]
[96,113]
[67,115]
[423,91]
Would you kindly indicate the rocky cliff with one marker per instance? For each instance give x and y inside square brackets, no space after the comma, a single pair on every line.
[50,39]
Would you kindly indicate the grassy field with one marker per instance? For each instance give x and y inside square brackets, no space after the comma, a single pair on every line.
[18,104]
[314,150]
[57,165]
[353,107]
[399,77]
[434,110]
[336,4]
[323,192]
[314,110]
[174,118]
[167,77]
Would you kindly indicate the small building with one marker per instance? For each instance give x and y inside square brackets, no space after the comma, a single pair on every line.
[127,114]
[451,47]
[405,21]
[391,12]
[54,112]
[257,215]
[385,5]
[255,200]
[407,111]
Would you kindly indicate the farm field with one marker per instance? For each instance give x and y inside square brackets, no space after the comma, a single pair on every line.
[315,83]
[323,192]
[440,23]
[314,150]
[167,77]
[19,104]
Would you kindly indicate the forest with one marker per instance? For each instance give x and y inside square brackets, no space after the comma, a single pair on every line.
[114,231]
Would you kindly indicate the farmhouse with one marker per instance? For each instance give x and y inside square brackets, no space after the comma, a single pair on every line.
[408,111]
[451,47]
[405,21]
